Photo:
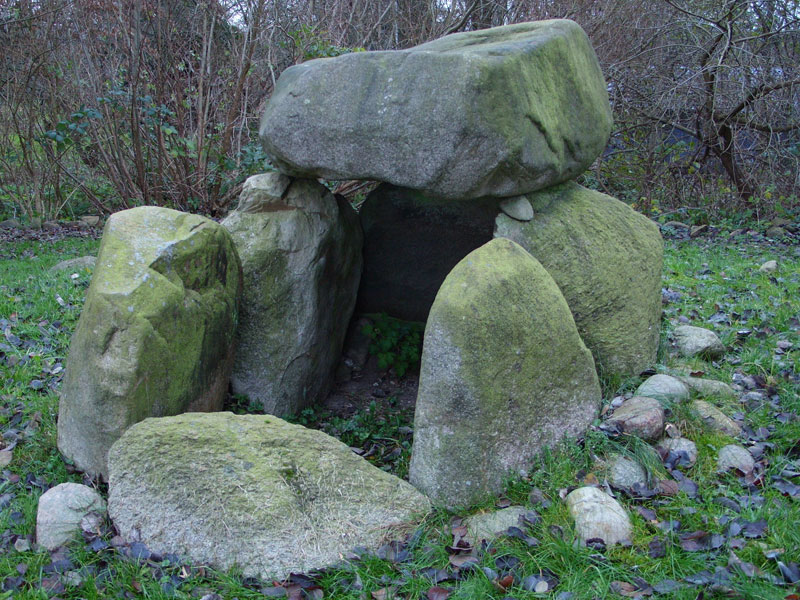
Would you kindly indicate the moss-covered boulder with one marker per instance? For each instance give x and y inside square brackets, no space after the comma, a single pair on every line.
[156,334]
[606,258]
[504,374]
[497,112]
[411,242]
[300,249]
[252,491]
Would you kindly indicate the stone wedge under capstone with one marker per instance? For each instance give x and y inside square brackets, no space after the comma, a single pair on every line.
[606,259]
[497,112]
[300,249]
[253,491]
[504,374]
[156,333]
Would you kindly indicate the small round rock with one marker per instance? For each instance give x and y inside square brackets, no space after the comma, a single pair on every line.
[518,207]
[598,515]
[769,267]
[61,510]
[679,444]
[642,416]
[735,457]
[698,341]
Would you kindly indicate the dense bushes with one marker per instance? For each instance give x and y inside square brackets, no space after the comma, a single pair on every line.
[107,104]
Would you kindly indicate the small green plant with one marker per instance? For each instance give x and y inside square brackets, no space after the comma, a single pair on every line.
[397,344]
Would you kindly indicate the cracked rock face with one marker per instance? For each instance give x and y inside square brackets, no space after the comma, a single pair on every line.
[498,112]
[300,249]
[156,333]
[253,491]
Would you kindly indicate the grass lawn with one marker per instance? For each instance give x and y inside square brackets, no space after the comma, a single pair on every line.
[726,536]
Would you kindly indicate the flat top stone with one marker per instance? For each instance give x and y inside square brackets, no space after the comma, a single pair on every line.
[497,112]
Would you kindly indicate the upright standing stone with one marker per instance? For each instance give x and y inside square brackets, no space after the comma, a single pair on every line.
[504,374]
[156,333]
[497,112]
[606,259]
[301,256]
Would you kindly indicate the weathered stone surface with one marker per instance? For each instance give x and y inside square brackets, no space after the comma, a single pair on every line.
[641,416]
[697,341]
[300,249]
[487,526]
[598,515]
[708,387]
[518,208]
[664,388]
[769,266]
[497,112]
[61,510]
[75,264]
[716,419]
[625,473]
[156,333]
[90,220]
[679,444]
[252,491]
[504,374]
[606,259]
[735,457]
[411,242]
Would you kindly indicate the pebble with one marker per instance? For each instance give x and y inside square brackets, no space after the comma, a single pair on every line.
[735,457]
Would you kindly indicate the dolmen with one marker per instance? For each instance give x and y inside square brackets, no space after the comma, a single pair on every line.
[530,286]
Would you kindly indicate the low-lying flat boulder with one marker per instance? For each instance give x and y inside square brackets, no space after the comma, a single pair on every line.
[300,249]
[156,333]
[606,259]
[497,112]
[253,491]
[504,374]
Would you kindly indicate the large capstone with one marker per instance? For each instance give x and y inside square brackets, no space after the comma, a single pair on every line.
[411,242]
[301,257]
[497,112]
[504,374]
[156,335]
[606,258]
[252,491]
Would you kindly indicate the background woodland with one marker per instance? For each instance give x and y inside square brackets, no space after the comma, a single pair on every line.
[109,104]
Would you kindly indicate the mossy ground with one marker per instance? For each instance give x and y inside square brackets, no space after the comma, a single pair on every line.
[718,285]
